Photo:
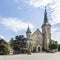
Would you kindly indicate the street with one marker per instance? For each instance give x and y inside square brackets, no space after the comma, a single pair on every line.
[33,56]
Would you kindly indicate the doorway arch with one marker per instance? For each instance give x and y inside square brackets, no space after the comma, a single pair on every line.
[38,49]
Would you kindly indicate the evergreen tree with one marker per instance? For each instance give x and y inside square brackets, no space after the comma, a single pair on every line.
[11,42]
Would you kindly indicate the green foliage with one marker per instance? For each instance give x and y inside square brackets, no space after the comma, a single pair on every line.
[4,50]
[4,47]
[16,48]
[11,42]
[14,45]
[53,44]
[17,44]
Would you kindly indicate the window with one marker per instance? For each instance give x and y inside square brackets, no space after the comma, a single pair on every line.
[37,41]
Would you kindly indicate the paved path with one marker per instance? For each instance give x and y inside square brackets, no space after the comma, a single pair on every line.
[35,56]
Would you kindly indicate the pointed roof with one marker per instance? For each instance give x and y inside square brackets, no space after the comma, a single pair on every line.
[45,17]
[28,30]
[37,32]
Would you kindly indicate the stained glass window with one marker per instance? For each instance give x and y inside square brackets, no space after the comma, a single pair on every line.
[37,41]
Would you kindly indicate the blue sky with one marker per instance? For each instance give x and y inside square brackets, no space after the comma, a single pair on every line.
[16,15]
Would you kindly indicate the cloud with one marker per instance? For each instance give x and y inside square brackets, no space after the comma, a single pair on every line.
[15,24]
[39,3]
[54,6]
[55,15]
[1,37]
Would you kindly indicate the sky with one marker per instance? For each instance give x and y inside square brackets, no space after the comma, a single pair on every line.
[16,15]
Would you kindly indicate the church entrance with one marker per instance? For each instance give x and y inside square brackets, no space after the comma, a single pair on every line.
[38,49]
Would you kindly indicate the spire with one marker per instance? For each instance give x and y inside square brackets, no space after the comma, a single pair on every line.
[28,30]
[45,16]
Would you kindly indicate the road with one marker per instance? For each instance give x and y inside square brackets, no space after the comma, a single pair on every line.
[33,56]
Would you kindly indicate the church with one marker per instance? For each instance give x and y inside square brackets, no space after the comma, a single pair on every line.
[39,41]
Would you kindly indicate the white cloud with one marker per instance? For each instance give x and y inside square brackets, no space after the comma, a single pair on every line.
[55,15]
[39,3]
[15,24]
[1,37]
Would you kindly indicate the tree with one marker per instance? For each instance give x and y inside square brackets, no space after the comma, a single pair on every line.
[15,45]
[16,48]
[19,44]
[3,50]
[3,47]
[11,42]
[53,44]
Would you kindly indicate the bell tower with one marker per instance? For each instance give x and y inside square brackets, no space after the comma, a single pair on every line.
[28,35]
[46,31]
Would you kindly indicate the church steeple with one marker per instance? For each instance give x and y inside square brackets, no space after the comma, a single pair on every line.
[28,30]
[45,17]
[46,31]
[28,33]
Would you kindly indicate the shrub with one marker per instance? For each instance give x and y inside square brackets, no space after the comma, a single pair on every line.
[53,44]
[4,50]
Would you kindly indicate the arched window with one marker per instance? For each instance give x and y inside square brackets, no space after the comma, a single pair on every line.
[37,41]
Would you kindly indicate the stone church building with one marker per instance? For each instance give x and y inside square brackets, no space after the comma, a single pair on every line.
[39,41]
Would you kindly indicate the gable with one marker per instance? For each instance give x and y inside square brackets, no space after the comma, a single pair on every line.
[37,32]
[37,35]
